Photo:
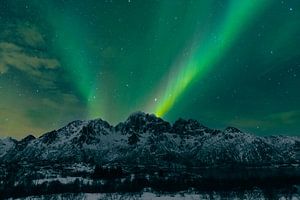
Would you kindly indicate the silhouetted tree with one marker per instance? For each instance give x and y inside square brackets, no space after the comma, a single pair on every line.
[107,173]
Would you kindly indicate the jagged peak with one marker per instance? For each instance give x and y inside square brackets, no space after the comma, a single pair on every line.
[49,137]
[143,116]
[96,126]
[231,129]
[28,138]
[187,121]
[187,125]
[99,121]
[143,122]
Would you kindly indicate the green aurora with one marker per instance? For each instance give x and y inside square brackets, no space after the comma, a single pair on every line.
[222,62]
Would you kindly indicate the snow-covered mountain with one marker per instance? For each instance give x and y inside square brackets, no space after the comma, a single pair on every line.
[6,145]
[145,139]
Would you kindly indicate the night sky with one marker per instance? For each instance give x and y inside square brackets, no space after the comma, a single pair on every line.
[222,62]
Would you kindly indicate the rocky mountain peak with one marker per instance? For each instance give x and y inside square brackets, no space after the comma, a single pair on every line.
[140,122]
[24,142]
[183,126]
[232,130]
[99,125]
[49,137]
[141,117]
[28,138]
[92,131]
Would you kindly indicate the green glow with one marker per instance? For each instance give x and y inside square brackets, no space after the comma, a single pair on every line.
[71,42]
[222,62]
[239,14]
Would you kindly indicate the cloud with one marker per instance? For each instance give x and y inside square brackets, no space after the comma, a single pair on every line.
[64,99]
[23,47]
[23,33]
[31,36]
[15,56]
[25,56]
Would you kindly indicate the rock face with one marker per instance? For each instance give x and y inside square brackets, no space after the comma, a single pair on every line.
[7,145]
[140,122]
[145,139]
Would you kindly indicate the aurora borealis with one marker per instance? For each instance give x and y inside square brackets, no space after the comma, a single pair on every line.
[222,62]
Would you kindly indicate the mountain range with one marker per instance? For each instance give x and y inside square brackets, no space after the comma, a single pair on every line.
[144,139]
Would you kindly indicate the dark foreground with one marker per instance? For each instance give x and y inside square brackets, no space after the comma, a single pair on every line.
[81,181]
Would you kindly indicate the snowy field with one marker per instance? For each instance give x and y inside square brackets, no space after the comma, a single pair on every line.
[255,194]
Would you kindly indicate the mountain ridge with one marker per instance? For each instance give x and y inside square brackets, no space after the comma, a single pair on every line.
[145,139]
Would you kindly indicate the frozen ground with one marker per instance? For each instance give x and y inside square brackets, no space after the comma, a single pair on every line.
[255,194]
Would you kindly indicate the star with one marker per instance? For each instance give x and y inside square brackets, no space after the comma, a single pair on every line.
[154,56]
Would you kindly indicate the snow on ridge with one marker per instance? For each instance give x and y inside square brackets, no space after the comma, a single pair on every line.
[96,139]
[6,144]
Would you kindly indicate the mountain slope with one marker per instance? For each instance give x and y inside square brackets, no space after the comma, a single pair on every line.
[6,145]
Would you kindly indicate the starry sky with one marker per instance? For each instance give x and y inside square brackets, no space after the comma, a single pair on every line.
[222,62]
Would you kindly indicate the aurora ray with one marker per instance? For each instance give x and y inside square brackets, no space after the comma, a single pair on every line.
[70,40]
[238,16]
